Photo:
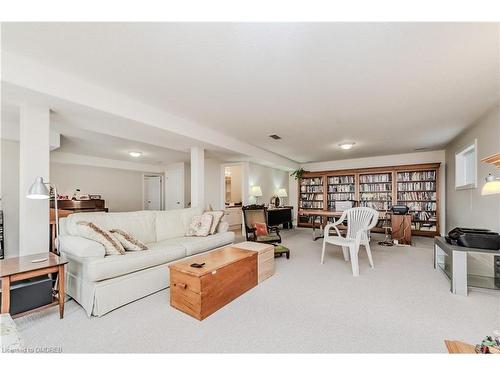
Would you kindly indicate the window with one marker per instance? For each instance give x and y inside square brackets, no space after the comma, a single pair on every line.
[465,167]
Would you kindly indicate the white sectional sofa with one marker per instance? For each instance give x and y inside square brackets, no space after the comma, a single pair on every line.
[102,283]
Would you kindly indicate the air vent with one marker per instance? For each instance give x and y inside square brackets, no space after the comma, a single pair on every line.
[422,149]
[275,136]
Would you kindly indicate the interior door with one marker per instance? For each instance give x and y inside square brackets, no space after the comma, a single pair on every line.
[174,189]
[152,192]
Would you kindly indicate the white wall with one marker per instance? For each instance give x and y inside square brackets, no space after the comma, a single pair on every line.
[269,180]
[387,160]
[121,189]
[213,184]
[9,192]
[468,208]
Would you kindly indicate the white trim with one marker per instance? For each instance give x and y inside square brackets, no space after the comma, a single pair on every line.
[466,149]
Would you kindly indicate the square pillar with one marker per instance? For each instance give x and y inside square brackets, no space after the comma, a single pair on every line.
[197,177]
[34,161]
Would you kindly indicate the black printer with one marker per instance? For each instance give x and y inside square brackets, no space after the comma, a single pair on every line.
[478,238]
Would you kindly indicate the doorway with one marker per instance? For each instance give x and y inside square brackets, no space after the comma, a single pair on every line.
[153,192]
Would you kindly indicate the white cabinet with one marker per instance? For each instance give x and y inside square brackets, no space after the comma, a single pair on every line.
[234,217]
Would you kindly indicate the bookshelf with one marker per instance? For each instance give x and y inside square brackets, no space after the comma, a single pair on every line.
[418,191]
[340,188]
[311,195]
[375,190]
[416,186]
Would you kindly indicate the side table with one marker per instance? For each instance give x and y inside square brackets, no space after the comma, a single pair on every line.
[22,268]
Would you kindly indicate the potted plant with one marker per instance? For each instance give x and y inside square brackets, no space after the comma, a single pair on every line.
[297,174]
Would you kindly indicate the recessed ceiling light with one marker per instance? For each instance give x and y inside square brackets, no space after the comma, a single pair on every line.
[346,145]
[135,154]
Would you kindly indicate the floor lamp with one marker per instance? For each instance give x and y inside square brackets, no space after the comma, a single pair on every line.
[40,190]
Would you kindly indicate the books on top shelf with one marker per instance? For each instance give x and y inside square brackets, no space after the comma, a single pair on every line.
[373,178]
[341,180]
[417,176]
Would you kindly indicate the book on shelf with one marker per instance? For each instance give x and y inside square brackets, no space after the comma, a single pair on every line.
[375,178]
[417,186]
[311,181]
[417,196]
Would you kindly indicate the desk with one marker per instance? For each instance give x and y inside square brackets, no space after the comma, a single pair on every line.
[452,260]
[22,268]
[314,214]
[280,215]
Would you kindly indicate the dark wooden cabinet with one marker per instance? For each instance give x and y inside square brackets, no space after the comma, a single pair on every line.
[280,215]
[81,206]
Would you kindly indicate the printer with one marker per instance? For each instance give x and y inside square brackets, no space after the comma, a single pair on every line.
[478,238]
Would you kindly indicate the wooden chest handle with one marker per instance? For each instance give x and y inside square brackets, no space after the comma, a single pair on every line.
[181,285]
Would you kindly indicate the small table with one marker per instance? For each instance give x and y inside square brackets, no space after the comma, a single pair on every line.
[22,268]
[452,260]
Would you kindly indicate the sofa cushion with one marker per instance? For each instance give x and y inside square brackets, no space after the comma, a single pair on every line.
[174,223]
[140,224]
[195,245]
[81,247]
[109,267]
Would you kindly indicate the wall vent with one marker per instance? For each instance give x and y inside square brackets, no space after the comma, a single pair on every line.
[275,136]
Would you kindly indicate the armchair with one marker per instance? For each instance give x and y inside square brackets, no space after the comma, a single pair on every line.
[258,214]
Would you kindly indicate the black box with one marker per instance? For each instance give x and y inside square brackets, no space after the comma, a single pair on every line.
[29,294]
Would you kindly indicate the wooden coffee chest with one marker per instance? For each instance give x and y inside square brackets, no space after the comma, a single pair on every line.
[228,273]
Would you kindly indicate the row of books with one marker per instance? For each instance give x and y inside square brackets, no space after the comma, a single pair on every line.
[423,216]
[375,197]
[417,176]
[417,196]
[341,188]
[311,189]
[311,197]
[370,178]
[422,206]
[341,180]
[421,186]
[309,204]
[423,226]
[381,206]
[312,181]
[341,197]
[375,187]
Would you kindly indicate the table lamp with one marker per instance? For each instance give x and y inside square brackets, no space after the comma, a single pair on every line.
[256,192]
[281,193]
[40,190]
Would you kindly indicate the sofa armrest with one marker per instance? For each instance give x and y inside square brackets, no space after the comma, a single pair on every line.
[81,247]
[223,227]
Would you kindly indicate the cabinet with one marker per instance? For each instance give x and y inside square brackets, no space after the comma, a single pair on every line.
[233,217]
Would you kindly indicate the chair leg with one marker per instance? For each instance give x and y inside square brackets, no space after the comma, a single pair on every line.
[354,260]
[345,250]
[323,252]
[369,252]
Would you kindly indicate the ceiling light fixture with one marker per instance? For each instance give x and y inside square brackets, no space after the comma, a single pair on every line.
[135,154]
[346,145]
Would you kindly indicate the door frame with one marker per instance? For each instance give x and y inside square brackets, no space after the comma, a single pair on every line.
[162,188]
[245,167]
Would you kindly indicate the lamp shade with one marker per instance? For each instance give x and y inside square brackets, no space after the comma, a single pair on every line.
[282,193]
[256,191]
[492,186]
[38,190]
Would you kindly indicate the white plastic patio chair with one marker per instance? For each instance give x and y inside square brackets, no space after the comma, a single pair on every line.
[359,221]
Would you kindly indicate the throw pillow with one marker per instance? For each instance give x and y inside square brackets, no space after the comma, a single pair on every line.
[127,241]
[217,217]
[260,229]
[200,225]
[96,233]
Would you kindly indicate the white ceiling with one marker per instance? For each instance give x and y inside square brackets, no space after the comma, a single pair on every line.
[391,88]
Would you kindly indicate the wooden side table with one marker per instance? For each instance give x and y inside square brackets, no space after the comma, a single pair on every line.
[22,268]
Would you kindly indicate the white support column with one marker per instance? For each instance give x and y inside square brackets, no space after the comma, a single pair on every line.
[197,177]
[34,161]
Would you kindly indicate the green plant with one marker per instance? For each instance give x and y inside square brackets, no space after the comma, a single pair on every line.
[298,173]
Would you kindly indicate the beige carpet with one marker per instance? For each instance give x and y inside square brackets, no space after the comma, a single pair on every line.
[403,305]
